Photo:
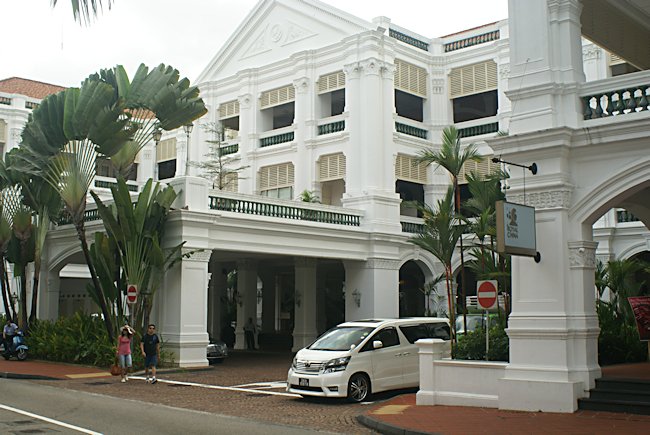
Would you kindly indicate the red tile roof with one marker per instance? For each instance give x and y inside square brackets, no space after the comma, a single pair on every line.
[29,88]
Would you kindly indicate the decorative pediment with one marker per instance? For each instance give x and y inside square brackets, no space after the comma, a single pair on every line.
[276,34]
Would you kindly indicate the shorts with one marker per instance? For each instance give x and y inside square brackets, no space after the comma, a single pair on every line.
[151,361]
[125,360]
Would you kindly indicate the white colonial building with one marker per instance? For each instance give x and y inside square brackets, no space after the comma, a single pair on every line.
[313,99]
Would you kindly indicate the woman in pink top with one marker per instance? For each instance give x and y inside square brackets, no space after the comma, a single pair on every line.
[124,350]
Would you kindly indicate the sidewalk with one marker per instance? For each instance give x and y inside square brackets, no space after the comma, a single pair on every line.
[400,415]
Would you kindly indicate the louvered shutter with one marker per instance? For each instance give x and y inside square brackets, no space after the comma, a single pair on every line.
[407,169]
[331,82]
[615,60]
[331,167]
[276,176]
[278,96]
[473,79]
[3,132]
[231,182]
[229,109]
[166,150]
[410,78]
[483,168]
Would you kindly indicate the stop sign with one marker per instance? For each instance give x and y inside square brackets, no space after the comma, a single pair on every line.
[131,293]
[486,293]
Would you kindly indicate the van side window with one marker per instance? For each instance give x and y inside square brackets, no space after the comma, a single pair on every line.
[440,330]
[388,336]
[425,330]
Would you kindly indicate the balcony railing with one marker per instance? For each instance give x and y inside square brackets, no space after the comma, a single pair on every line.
[477,130]
[412,227]
[332,127]
[623,216]
[616,96]
[229,149]
[411,130]
[408,39]
[277,139]
[103,184]
[283,209]
[472,40]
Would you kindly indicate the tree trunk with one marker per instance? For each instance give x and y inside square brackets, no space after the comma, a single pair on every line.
[462,259]
[35,283]
[451,307]
[23,287]
[81,233]
[6,297]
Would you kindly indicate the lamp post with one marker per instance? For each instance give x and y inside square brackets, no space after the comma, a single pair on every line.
[188,130]
[157,135]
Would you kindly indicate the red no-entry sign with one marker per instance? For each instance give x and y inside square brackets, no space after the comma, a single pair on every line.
[486,293]
[131,293]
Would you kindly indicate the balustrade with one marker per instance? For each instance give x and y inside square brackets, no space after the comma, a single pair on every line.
[277,139]
[478,130]
[616,102]
[332,127]
[411,130]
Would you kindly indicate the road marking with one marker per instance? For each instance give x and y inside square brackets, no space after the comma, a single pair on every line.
[217,387]
[49,420]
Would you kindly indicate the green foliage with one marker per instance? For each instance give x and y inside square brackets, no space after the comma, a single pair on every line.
[472,345]
[81,339]
[618,341]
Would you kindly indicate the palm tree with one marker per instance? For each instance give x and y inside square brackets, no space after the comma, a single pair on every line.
[84,10]
[442,229]
[451,157]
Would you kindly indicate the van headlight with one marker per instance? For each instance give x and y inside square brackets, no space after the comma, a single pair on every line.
[336,365]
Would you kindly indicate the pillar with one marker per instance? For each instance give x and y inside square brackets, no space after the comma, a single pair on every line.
[268,300]
[48,294]
[304,132]
[247,298]
[248,141]
[305,330]
[216,295]
[371,289]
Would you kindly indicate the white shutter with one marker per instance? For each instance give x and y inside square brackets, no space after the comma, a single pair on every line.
[166,150]
[473,79]
[231,182]
[278,96]
[483,168]
[407,169]
[229,109]
[331,82]
[3,131]
[276,176]
[410,78]
[331,167]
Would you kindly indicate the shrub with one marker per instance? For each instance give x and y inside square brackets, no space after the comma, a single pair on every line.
[472,345]
[618,341]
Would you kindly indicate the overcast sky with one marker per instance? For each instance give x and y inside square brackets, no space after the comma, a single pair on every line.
[45,44]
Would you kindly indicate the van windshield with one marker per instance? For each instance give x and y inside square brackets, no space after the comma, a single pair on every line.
[341,338]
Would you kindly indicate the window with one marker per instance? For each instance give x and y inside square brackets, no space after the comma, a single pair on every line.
[277,181]
[166,158]
[166,169]
[282,116]
[409,106]
[331,92]
[475,106]
[229,119]
[473,91]
[410,90]
[426,330]
[279,193]
[388,337]
[278,108]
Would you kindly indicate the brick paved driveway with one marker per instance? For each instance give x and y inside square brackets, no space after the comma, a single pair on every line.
[240,368]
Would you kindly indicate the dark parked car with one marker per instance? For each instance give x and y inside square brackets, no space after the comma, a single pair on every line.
[216,351]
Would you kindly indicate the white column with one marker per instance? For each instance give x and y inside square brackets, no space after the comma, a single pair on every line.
[216,294]
[304,167]
[545,64]
[247,142]
[304,330]
[48,294]
[371,289]
[183,309]
[247,303]
[429,350]
[268,300]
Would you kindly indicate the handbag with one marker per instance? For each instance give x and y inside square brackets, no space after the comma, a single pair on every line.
[116,370]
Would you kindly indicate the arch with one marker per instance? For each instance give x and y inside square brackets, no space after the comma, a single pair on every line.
[633,250]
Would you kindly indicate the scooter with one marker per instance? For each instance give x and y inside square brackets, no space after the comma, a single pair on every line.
[18,349]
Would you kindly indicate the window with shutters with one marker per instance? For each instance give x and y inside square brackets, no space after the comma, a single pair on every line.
[473,91]
[331,94]
[410,180]
[483,168]
[278,108]
[618,66]
[229,119]
[3,133]
[277,181]
[166,158]
[410,90]
[229,182]
[331,167]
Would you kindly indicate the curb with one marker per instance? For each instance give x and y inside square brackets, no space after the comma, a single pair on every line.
[8,375]
[389,429]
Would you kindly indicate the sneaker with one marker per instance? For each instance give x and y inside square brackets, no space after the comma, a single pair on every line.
[123,380]
[154,380]
[147,380]
[126,377]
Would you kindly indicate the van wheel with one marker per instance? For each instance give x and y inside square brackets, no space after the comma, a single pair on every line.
[358,388]
[22,355]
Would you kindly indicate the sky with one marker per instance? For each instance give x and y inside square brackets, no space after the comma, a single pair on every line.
[46,44]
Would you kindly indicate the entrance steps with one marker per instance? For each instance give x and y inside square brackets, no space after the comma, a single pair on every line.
[631,396]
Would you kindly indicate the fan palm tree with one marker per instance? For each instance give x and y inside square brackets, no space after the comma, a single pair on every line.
[451,157]
[442,229]
[85,10]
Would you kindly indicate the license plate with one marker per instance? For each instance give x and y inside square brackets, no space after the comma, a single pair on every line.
[303,382]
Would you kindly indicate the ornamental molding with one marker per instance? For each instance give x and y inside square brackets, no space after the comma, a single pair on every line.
[198,255]
[604,258]
[591,52]
[382,263]
[301,85]
[277,34]
[582,255]
[504,71]
[245,101]
[543,200]
[437,86]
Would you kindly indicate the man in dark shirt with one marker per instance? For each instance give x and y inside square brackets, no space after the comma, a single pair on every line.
[150,347]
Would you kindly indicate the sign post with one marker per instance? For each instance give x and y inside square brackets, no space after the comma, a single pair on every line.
[486,294]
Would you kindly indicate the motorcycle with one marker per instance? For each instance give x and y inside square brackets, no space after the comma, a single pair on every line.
[18,349]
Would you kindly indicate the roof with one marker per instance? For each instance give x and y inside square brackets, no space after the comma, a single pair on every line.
[29,88]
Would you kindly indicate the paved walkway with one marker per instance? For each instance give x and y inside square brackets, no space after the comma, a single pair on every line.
[400,415]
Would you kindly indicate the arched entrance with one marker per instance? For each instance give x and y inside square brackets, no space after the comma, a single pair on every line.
[411,290]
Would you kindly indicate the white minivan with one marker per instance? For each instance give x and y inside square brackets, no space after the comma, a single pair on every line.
[355,359]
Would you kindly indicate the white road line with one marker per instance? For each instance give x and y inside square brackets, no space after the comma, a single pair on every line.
[49,420]
[217,387]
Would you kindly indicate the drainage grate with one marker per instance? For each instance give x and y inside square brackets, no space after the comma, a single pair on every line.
[98,383]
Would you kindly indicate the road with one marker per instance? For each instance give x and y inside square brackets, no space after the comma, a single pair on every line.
[26,407]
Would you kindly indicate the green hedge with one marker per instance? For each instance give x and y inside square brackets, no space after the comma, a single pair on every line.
[618,341]
[472,345]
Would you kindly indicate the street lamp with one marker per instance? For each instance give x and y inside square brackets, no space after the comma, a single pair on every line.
[157,135]
[188,130]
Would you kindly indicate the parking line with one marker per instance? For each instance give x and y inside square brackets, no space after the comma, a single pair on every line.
[49,420]
[217,387]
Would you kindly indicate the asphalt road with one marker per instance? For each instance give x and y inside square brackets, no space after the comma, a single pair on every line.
[26,407]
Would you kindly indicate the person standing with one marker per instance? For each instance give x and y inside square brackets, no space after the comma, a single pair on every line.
[249,334]
[150,347]
[8,333]
[124,351]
